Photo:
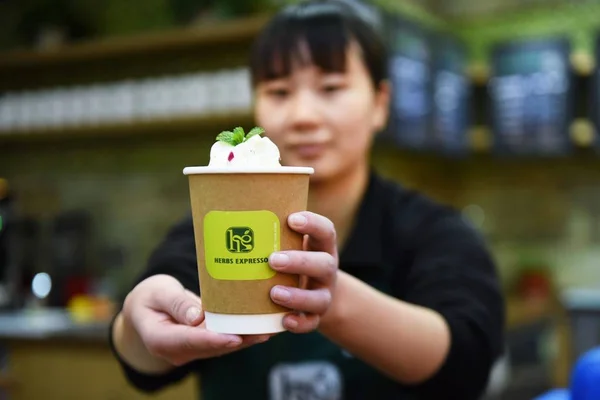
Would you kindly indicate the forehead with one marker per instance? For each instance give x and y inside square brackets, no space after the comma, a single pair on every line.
[302,60]
[322,44]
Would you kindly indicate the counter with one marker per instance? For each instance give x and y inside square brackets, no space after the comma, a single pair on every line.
[51,356]
[49,324]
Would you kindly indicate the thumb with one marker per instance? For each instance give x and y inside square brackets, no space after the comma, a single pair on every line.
[182,305]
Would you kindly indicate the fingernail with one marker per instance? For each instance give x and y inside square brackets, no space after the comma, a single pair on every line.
[291,323]
[260,339]
[234,342]
[281,294]
[279,260]
[192,314]
[298,220]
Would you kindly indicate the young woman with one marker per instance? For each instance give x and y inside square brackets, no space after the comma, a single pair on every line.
[404,301]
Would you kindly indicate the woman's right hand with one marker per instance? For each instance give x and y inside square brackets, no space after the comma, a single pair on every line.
[162,326]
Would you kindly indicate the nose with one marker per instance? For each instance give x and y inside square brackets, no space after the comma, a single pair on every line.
[304,113]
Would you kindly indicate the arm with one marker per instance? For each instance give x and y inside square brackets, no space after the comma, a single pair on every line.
[404,341]
[447,333]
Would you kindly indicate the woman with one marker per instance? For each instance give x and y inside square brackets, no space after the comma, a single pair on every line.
[404,301]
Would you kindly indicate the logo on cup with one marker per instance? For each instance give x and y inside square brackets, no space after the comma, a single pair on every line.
[239,239]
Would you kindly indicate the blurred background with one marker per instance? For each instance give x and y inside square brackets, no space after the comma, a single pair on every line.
[102,104]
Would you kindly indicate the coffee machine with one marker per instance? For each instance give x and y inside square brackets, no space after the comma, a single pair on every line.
[6,216]
[19,251]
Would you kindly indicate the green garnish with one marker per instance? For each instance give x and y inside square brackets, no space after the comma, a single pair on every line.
[238,136]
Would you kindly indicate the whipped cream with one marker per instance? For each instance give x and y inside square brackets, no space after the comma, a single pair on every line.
[255,152]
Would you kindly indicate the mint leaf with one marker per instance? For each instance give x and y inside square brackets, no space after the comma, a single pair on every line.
[238,135]
[255,131]
[226,137]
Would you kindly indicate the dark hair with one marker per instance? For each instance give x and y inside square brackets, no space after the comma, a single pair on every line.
[326,27]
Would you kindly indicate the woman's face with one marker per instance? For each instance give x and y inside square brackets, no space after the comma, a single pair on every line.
[323,120]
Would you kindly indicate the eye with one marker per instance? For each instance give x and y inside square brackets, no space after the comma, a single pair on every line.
[279,93]
[333,83]
[331,88]
[276,89]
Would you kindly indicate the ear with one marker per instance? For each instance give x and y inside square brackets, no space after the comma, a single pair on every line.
[382,105]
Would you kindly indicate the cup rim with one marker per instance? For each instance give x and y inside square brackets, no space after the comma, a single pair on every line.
[247,170]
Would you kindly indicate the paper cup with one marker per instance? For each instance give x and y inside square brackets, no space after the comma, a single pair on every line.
[240,218]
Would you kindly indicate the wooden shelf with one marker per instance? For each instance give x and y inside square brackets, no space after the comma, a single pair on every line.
[208,34]
[155,127]
[480,137]
[581,131]
[209,46]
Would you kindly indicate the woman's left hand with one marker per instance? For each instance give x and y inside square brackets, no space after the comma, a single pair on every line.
[318,262]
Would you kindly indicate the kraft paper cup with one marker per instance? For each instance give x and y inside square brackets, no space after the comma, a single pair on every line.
[240,218]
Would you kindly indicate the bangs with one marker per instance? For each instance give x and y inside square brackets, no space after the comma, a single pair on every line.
[300,39]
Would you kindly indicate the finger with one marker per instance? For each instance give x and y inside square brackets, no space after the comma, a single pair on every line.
[197,299]
[316,265]
[180,343]
[321,231]
[310,301]
[179,304]
[247,341]
[301,323]
[251,340]
[192,294]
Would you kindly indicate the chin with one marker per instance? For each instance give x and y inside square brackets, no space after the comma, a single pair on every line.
[323,174]
[317,178]
[324,170]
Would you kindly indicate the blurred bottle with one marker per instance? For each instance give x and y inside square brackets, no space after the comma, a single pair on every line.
[26,254]
[69,256]
[19,249]
[6,215]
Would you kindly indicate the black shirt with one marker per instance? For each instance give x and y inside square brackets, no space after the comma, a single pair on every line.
[403,244]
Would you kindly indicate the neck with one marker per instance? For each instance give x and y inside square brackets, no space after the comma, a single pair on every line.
[338,199]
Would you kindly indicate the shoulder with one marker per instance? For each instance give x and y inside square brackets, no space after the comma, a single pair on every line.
[183,228]
[416,210]
[416,219]
[403,200]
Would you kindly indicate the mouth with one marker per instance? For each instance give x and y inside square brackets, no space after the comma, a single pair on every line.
[309,151]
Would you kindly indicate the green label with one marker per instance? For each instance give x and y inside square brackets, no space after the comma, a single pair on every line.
[237,244]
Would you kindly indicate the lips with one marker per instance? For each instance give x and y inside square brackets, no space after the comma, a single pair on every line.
[309,150]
